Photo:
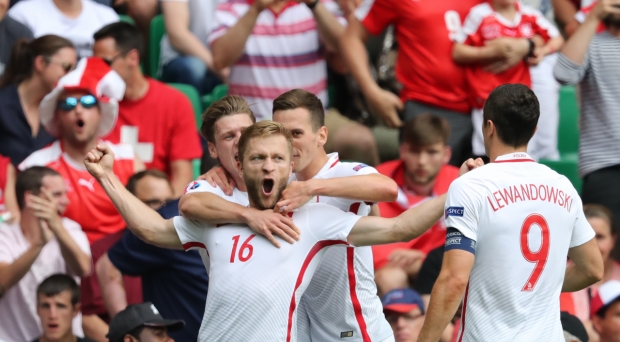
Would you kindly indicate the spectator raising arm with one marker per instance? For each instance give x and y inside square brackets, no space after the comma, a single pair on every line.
[112,286]
[385,103]
[329,28]
[176,17]
[564,11]
[143,221]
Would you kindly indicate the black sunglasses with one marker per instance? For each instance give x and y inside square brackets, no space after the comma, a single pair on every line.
[110,61]
[67,104]
[66,66]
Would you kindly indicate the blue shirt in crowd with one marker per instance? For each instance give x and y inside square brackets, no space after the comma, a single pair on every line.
[16,140]
[174,280]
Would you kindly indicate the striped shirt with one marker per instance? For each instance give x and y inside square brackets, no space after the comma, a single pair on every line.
[599,86]
[283,52]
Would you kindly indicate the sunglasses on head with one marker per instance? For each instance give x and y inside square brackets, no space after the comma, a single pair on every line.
[87,101]
[64,65]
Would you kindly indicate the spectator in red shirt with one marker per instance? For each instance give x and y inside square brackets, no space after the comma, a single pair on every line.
[493,20]
[9,211]
[422,172]
[156,119]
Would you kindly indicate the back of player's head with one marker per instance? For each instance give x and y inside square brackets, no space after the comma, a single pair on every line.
[514,110]
[126,36]
[58,283]
[299,98]
[264,129]
[426,130]
[601,212]
[135,178]
[31,180]
[228,105]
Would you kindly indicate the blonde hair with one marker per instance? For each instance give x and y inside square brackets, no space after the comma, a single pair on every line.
[228,105]
[263,129]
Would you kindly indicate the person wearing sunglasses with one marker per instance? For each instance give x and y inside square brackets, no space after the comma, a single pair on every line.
[32,72]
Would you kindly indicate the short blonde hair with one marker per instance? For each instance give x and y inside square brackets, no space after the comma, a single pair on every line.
[263,129]
[228,105]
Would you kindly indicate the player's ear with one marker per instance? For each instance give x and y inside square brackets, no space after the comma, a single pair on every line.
[212,150]
[322,135]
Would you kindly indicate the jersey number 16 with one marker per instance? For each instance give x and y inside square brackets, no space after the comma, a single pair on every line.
[540,256]
[245,246]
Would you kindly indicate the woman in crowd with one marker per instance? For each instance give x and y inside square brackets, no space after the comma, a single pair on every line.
[32,72]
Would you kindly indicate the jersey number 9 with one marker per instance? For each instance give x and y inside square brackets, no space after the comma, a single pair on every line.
[540,256]
[245,246]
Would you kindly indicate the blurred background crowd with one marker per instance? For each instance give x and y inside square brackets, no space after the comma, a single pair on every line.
[403,83]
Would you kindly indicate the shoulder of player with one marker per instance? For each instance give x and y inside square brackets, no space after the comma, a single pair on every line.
[42,157]
[344,169]
[202,186]
[313,209]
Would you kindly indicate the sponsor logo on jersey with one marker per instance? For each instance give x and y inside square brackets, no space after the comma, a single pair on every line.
[89,184]
[359,167]
[526,30]
[453,241]
[455,211]
[192,186]
[491,31]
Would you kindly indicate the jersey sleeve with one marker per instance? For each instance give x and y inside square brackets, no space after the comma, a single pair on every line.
[184,141]
[582,230]
[543,27]
[462,208]
[224,18]
[376,15]
[191,234]
[203,186]
[469,33]
[326,222]
[355,169]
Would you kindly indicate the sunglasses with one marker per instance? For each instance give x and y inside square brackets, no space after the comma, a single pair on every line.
[67,104]
[64,65]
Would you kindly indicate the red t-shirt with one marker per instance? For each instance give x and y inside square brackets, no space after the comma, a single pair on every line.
[90,205]
[484,24]
[424,30]
[92,301]
[160,126]
[434,237]
[4,164]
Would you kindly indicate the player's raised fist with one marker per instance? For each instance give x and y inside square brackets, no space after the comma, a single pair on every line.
[470,164]
[99,160]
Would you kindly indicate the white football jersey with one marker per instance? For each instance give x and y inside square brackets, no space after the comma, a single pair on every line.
[523,218]
[254,287]
[342,301]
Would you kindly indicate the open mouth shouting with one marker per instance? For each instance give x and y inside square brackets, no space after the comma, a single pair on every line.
[268,186]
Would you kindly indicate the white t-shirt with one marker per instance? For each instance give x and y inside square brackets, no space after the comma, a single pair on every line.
[43,17]
[18,308]
[254,287]
[523,218]
[330,309]
[201,14]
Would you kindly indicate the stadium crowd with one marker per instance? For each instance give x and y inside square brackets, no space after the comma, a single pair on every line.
[400,87]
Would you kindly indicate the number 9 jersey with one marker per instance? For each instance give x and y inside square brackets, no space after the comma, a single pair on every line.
[519,218]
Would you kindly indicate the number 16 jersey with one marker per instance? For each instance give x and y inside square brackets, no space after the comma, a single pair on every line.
[522,217]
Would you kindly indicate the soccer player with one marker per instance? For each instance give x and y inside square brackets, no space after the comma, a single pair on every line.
[254,288]
[511,225]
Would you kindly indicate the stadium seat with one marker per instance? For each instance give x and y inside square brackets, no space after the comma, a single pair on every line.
[568,138]
[156,33]
[194,98]
[217,93]
[127,19]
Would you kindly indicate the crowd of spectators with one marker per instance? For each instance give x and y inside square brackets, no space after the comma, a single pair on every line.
[73,75]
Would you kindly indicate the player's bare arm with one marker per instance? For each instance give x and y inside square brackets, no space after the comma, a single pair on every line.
[219,177]
[211,208]
[372,230]
[447,293]
[587,267]
[143,221]
[367,188]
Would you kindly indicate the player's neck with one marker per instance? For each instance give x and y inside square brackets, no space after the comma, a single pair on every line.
[137,86]
[78,152]
[240,182]
[314,167]
[506,11]
[500,150]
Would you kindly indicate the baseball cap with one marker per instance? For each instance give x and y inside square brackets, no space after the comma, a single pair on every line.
[607,294]
[137,315]
[573,326]
[94,76]
[402,301]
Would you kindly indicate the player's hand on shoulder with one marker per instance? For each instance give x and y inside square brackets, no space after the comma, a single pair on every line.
[295,195]
[470,164]
[269,224]
[218,176]
[99,160]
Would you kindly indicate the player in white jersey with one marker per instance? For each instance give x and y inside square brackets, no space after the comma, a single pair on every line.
[255,288]
[511,225]
[341,301]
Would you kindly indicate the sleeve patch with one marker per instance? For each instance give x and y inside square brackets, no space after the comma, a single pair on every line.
[192,186]
[455,211]
[359,167]
[456,240]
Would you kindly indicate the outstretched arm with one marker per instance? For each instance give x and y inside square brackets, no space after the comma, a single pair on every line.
[372,230]
[143,221]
